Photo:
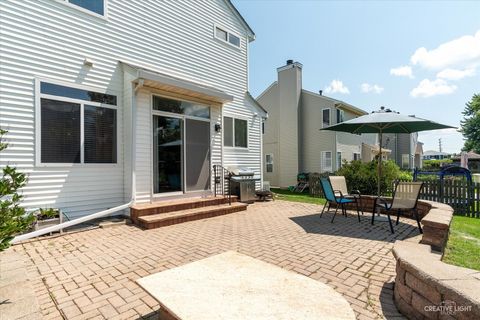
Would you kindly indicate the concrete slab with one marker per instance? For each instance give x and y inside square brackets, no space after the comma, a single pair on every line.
[235,286]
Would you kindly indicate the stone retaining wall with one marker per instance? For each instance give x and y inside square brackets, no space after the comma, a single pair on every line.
[426,287]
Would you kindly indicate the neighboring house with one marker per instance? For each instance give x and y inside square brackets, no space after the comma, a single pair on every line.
[97,92]
[473,161]
[435,155]
[370,152]
[292,141]
[407,151]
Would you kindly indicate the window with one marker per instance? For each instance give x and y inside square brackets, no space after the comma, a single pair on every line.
[235,132]
[356,156]
[95,6]
[65,113]
[340,116]
[269,163]
[226,36]
[181,107]
[405,161]
[326,117]
[339,160]
[326,161]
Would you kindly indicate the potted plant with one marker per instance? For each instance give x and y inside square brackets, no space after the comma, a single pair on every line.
[47,217]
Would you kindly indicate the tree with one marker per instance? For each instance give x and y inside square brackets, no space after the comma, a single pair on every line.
[13,217]
[471,124]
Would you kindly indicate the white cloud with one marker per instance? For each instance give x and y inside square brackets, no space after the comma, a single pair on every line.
[427,88]
[336,86]
[463,51]
[402,71]
[375,88]
[454,74]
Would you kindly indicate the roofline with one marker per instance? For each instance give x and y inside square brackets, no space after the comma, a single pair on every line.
[257,104]
[242,20]
[266,90]
[339,102]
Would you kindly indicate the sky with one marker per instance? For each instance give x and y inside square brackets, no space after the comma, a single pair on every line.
[417,58]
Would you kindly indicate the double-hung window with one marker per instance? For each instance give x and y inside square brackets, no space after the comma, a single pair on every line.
[340,115]
[269,162]
[76,125]
[226,36]
[235,132]
[326,165]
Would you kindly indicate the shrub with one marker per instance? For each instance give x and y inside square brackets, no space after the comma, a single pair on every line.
[13,218]
[363,176]
[435,165]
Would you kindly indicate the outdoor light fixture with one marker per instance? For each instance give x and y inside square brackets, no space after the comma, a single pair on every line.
[218,127]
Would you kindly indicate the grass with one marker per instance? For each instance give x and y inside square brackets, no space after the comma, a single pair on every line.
[463,246]
[287,195]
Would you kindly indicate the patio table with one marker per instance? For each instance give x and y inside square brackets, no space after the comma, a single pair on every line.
[235,286]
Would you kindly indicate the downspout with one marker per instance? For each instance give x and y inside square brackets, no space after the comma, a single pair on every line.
[103,213]
[135,87]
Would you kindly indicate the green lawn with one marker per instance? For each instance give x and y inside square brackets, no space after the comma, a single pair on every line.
[287,195]
[463,246]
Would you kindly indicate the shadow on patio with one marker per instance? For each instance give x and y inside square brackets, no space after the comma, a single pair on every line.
[350,227]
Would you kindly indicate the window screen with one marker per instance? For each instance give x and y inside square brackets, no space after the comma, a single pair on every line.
[221,34]
[234,40]
[60,126]
[228,132]
[100,135]
[241,134]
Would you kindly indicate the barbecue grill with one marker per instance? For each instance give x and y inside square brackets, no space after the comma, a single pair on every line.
[243,183]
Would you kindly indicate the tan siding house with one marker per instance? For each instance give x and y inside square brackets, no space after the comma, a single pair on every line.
[292,140]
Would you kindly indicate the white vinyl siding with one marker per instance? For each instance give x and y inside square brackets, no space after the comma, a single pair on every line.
[326,164]
[49,39]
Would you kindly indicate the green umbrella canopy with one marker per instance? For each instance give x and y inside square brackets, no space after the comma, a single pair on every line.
[386,121]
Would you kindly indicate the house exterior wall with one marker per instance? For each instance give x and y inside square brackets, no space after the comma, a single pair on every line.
[50,40]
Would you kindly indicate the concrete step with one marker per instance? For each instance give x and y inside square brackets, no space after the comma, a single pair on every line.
[145,209]
[170,218]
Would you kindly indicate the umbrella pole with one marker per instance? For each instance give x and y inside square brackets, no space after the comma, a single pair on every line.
[379,164]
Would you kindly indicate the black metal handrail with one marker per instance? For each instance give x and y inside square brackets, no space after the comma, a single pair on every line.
[223,180]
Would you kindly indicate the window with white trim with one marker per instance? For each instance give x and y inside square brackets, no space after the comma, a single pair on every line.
[325,118]
[235,132]
[357,156]
[95,6]
[340,115]
[326,165]
[269,163]
[339,160]
[226,36]
[77,125]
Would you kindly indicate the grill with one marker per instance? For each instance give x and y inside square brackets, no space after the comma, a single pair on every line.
[243,183]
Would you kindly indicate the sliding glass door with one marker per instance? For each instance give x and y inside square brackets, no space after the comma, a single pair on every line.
[167,154]
[181,146]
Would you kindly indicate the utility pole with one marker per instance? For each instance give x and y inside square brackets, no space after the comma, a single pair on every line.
[440,144]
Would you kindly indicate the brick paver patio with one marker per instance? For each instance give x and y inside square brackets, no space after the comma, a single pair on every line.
[91,274]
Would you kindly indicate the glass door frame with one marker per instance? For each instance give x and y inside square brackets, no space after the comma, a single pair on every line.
[184,153]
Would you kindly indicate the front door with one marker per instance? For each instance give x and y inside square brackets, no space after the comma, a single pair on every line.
[181,154]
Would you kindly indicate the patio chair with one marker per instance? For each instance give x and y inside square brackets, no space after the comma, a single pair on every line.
[339,183]
[405,198]
[336,197]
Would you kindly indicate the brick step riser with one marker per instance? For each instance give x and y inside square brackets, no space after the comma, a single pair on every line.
[200,215]
[137,213]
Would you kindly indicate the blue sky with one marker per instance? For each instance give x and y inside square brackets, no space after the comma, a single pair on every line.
[419,58]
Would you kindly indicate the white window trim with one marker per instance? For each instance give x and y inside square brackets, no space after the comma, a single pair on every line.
[405,155]
[215,26]
[322,162]
[81,9]
[359,156]
[329,117]
[342,113]
[271,162]
[38,122]
[233,128]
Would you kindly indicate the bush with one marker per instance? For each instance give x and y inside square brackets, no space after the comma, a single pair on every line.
[435,165]
[363,176]
[13,218]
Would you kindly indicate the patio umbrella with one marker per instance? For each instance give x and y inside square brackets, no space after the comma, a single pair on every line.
[385,121]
